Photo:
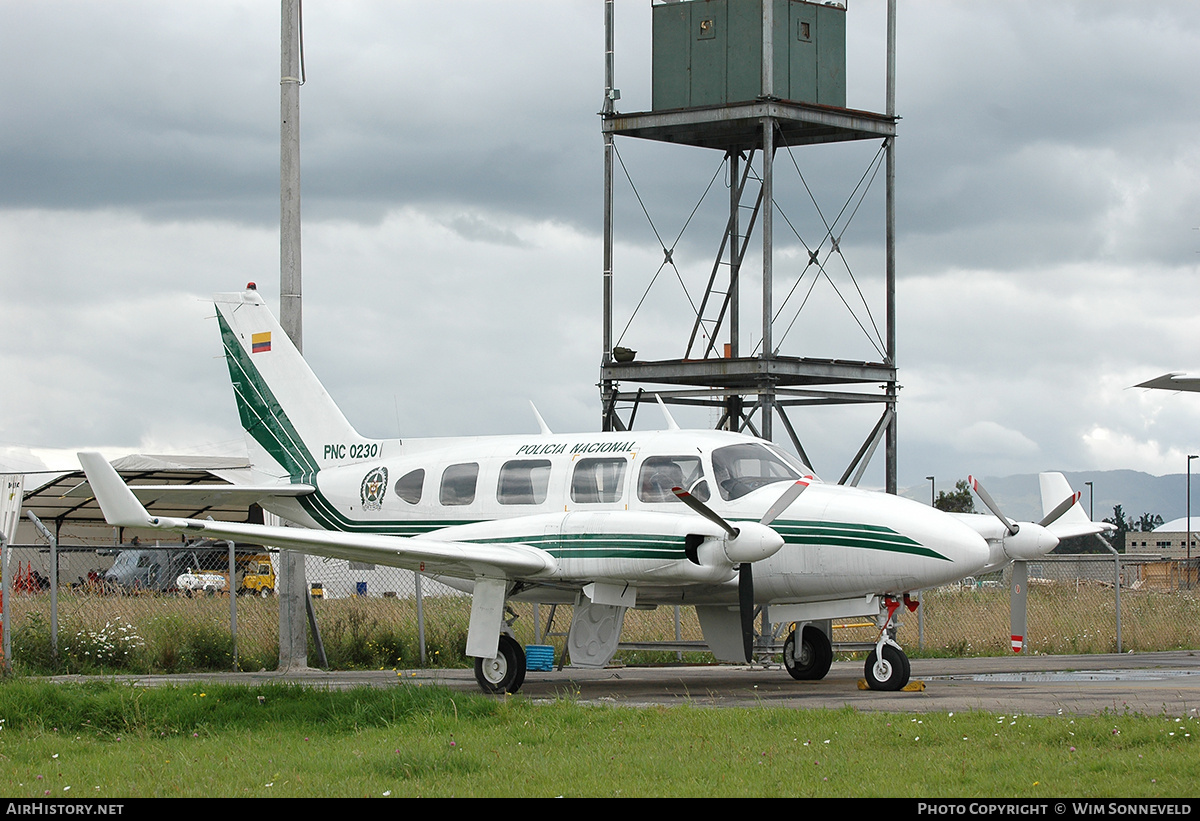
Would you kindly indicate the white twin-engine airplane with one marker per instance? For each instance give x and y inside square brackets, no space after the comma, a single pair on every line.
[604,521]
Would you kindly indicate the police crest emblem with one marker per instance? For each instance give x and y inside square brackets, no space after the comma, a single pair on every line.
[374,486]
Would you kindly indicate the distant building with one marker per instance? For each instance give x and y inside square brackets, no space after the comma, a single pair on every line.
[1168,540]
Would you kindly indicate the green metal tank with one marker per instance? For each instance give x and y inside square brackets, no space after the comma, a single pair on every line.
[710,53]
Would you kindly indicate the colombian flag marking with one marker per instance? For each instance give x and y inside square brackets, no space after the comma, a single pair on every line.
[260,343]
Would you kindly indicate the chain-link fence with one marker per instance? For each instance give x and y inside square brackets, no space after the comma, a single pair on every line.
[141,608]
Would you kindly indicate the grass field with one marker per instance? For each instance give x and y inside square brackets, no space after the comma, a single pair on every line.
[107,741]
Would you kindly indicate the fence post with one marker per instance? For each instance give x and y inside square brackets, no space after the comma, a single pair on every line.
[420,616]
[53,540]
[921,621]
[1117,587]
[231,586]
[5,638]
[1116,583]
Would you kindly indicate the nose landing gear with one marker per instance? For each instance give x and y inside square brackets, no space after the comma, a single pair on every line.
[887,666]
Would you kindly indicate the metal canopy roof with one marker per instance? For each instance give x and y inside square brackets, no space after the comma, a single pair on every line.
[66,498]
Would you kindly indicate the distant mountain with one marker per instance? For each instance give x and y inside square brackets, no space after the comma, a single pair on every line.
[1020,496]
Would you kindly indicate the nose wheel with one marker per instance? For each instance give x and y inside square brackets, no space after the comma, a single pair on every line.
[888,670]
[887,666]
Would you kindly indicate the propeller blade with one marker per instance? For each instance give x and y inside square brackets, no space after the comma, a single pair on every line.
[1017,602]
[992,506]
[783,502]
[705,511]
[746,608]
[1063,506]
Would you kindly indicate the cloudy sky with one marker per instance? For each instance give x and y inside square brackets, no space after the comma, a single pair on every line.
[1049,198]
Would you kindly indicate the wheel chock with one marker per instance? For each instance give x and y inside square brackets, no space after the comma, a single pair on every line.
[911,687]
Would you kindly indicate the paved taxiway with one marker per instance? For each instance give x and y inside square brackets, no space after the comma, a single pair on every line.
[1145,683]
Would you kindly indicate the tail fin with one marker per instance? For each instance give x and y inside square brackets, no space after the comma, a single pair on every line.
[293,428]
[1075,522]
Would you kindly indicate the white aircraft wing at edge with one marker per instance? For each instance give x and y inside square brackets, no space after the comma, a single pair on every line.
[460,560]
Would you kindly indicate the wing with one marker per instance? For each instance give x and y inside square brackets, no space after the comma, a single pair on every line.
[1172,382]
[456,559]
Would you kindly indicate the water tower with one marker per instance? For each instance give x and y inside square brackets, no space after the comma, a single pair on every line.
[749,79]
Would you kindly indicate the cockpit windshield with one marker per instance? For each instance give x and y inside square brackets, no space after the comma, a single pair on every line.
[741,468]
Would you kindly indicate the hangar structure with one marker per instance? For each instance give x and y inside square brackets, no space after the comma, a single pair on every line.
[753,80]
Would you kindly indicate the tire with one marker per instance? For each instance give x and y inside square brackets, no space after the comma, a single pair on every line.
[812,659]
[506,672]
[265,592]
[892,672]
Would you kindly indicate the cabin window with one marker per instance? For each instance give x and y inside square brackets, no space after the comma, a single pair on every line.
[408,486]
[659,474]
[598,480]
[458,484]
[524,482]
[739,469]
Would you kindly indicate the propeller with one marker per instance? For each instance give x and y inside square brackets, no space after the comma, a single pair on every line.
[1035,541]
[746,557]
[1013,527]
[1063,506]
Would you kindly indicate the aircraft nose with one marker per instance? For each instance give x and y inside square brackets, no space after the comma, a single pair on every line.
[965,549]
[972,549]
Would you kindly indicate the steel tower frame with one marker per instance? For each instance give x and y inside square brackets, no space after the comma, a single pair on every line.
[744,387]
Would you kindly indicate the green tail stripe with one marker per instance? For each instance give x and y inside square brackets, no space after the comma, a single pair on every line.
[260,412]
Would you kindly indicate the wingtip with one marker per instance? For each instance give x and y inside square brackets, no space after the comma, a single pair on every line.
[120,507]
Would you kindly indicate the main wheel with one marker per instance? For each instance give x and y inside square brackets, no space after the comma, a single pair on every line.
[810,660]
[891,672]
[506,672]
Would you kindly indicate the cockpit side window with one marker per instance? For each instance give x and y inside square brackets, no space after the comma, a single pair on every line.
[739,469]
[598,480]
[659,474]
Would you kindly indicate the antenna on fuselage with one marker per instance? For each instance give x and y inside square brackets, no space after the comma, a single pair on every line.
[671,425]
[542,426]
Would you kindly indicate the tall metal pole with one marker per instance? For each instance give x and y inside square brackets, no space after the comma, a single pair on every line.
[767,393]
[1187,569]
[609,93]
[293,597]
[890,445]
[289,174]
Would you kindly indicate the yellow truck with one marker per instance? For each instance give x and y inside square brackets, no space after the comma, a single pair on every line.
[256,575]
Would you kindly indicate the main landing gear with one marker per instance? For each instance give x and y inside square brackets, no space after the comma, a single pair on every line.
[810,658]
[506,672]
